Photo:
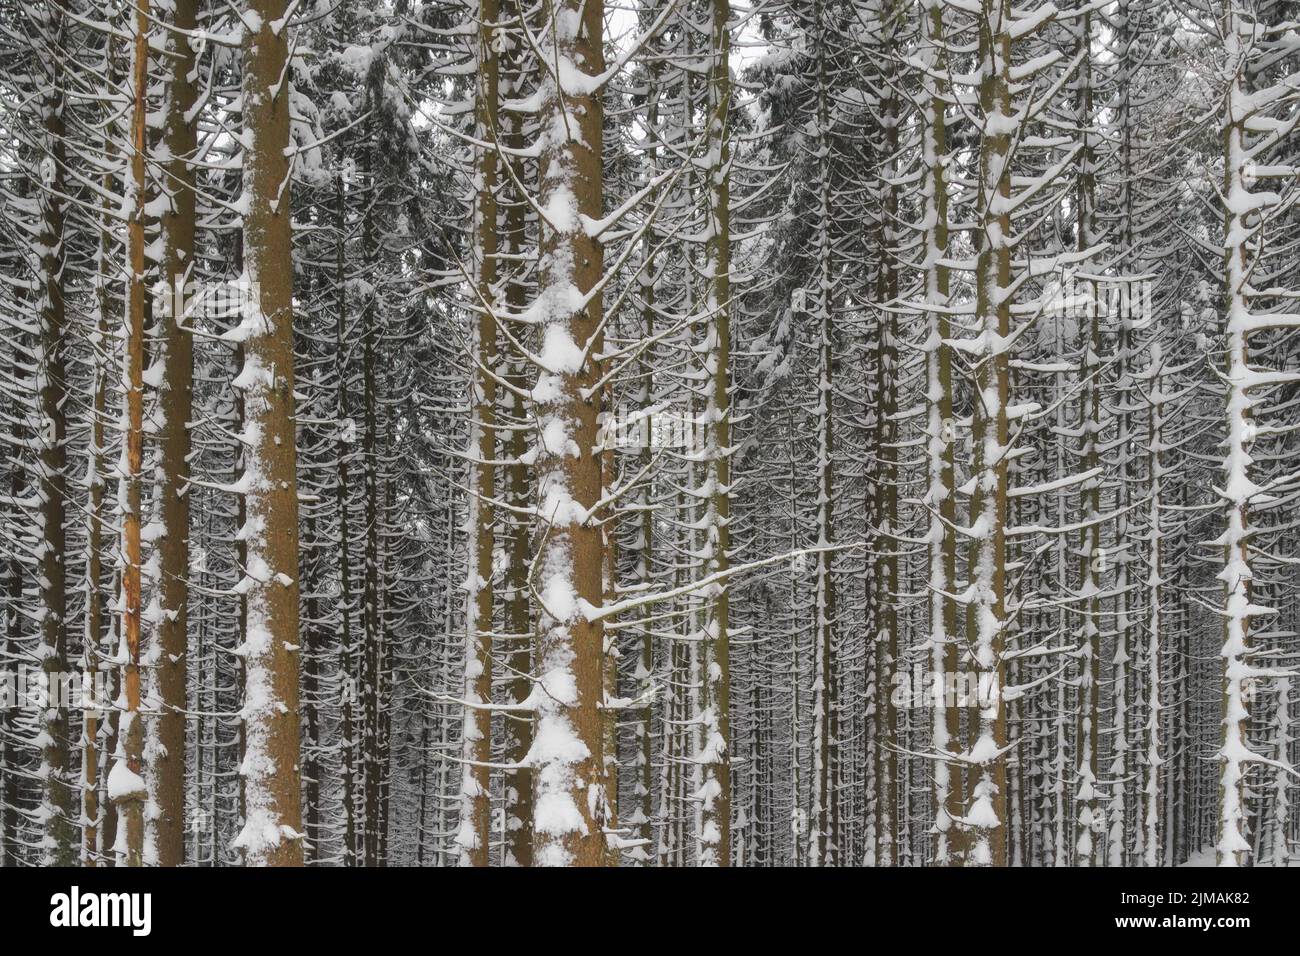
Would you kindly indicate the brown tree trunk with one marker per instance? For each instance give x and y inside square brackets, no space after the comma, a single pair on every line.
[272,828]
[177,223]
[715,821]
[475,824]
[126,785]
[517,615]
[347,653]
[58,800]
[567,757]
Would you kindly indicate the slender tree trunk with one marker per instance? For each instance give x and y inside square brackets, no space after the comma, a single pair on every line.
[174,411]
[374,651]
[96,480]
[271,835]
[1232,847]
[475,822]
[125,784]
[517,615]
[566,755]
[1088,829]
[886,434]
[346,436]
[941,447]
[58,800]
[822,838]
[642,818]
[985,819]
[715,715]
[1152,810]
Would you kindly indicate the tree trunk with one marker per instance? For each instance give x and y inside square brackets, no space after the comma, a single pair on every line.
[567,751]
[715,715]
[476,796]
[58,800]
[271,835]
[174,411]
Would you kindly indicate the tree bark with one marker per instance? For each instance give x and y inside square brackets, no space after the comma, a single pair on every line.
[271,835]
[567,753]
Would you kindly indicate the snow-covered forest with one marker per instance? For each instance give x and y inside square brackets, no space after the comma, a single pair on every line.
[649,432]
